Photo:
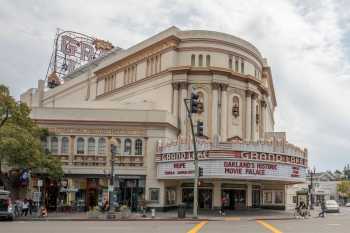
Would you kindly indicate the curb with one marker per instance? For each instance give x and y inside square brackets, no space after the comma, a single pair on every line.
[111,220]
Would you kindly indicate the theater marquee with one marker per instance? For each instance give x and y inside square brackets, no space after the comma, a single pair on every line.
[232,169]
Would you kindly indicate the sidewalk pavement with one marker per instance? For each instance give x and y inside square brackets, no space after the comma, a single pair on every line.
[249,214]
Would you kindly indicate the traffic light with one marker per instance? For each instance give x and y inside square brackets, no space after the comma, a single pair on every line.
[194,103]
[200,128]
[200,172]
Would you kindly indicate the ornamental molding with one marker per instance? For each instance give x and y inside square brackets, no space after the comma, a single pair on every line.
[169,43]
[98,131]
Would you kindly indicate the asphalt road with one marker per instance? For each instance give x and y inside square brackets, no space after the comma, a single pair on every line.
[333,223]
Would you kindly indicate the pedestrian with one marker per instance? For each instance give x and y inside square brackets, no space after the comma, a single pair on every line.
[223,204]
[31,206]
[323,209]
[25,207]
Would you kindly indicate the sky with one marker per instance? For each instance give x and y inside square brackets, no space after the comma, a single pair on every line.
[306,42]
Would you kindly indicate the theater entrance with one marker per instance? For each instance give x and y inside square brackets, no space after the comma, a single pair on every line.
[233,199]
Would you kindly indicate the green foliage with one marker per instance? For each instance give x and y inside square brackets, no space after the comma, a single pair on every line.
[343,188]
[20,139]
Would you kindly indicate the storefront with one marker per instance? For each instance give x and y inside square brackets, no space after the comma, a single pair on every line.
[130,190]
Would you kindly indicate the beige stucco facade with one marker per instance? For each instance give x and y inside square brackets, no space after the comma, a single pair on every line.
[137,94]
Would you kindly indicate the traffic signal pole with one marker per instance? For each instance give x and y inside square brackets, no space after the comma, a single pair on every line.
[195,188]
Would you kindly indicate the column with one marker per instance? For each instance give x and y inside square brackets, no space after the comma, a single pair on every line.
[248,115]
[72,148]
[216,195]
[183,87]
[249,195]
[214,110]
[175,109]
[253,134]
[263,117]
[224,112]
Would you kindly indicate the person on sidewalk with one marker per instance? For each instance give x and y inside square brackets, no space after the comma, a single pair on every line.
[223,205]
[323,209]
[25,207]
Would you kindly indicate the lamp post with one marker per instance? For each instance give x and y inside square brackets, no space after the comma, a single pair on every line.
[311,173]
[111,183]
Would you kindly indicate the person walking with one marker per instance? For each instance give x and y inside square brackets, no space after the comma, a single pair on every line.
[25,207]
[323,209]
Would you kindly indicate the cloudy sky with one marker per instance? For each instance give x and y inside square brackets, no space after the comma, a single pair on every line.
[307,43]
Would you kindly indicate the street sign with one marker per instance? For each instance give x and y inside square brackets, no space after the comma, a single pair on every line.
[40,183]
[36,196]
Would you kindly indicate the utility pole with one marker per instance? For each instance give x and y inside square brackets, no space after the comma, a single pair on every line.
[194,109]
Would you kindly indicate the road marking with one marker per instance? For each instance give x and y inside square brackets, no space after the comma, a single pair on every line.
[269,226]
[232,219]
[197,227]
[333,224]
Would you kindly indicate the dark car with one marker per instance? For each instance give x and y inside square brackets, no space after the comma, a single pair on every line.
[6,207]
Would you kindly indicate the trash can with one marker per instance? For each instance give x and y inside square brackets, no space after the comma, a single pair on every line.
[181,211]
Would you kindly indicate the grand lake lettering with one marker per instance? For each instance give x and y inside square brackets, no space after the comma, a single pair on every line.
[239,168]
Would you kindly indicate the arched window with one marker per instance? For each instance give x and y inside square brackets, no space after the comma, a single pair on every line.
[207,60]
[91,146]
[118,144]
[127,146]
[101,146]
[235,106]
[193,60]
[65,145]
[200,102]
[80,146]
[230,63]
[138,147]
[200,60]
[54,145]
[257,118]
[242,67]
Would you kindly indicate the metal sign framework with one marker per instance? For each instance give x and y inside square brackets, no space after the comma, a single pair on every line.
[72,50]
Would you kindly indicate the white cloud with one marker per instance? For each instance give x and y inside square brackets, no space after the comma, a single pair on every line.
[304,41]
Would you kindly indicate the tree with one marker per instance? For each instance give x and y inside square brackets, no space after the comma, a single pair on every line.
[343,188]
[20,142]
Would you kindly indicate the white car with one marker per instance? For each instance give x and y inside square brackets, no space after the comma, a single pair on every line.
[332,206]
[347,204]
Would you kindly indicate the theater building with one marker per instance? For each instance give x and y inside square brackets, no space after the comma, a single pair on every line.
[134,98]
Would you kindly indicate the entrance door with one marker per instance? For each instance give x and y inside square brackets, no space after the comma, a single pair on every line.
[234,199]
[205,198]
[256,198]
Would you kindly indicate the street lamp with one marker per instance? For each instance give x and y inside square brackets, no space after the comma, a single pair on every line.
[111,182]
[311,173]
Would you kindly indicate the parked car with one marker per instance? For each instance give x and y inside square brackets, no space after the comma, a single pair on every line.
[347,204]
[332,206]
[6,207]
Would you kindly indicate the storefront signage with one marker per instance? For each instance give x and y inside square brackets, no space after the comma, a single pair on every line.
[231,169]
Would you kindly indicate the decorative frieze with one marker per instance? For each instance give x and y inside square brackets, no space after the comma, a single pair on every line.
[98,131]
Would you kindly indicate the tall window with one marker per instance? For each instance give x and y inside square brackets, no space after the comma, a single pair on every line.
[80,146]
[230,63]
[54,145]
[207,60]
[44,144]
[200,60]
[138,147]
[91,146]
[127,146]
[193,60]
[65,145]
[242,67]
[236,65]
[235,106]
[101,146]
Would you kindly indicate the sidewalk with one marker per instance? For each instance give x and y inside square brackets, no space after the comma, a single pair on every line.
[251,214]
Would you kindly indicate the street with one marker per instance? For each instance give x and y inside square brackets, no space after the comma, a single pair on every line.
[332,223]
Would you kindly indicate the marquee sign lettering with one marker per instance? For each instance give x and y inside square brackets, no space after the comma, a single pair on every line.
[72,50]
[232,169]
